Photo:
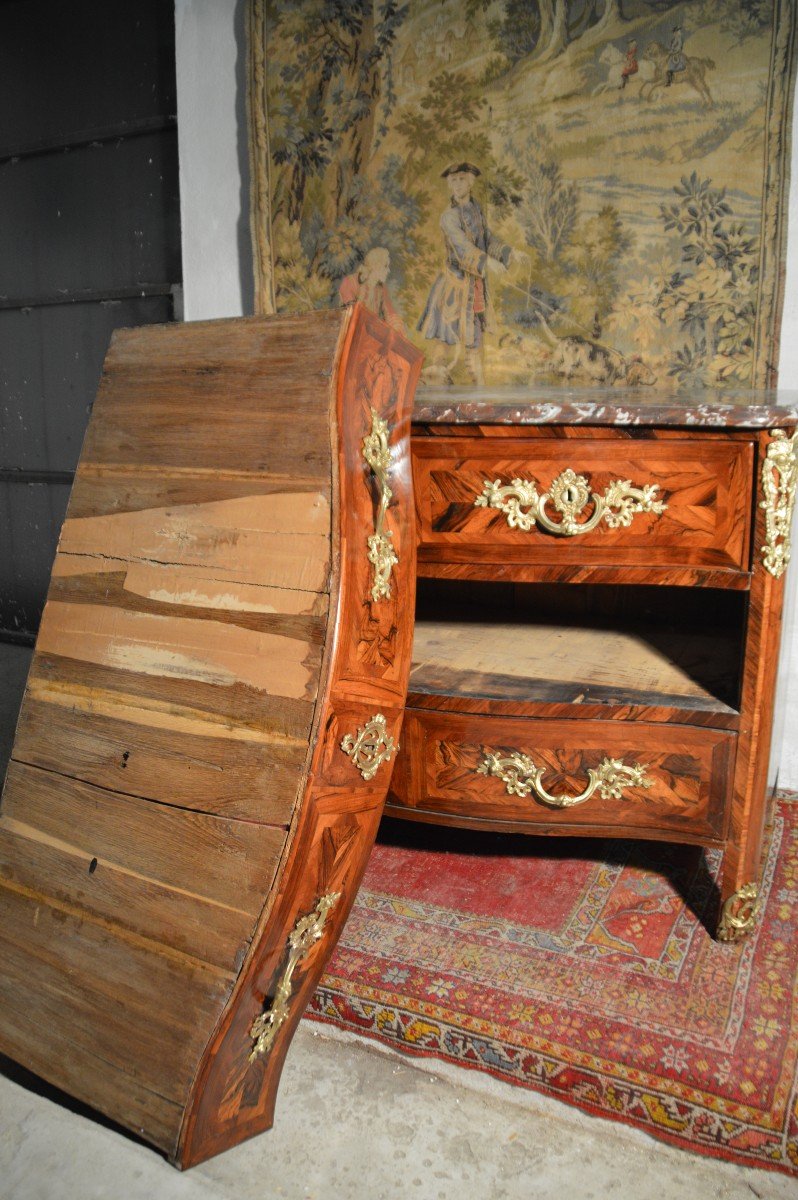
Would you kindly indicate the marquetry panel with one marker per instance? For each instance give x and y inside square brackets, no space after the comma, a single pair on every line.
[705,486]
[687,769]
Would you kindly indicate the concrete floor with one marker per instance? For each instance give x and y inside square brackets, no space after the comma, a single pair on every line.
[355,1123]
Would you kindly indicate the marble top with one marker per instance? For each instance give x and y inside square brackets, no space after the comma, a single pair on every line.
[604,406]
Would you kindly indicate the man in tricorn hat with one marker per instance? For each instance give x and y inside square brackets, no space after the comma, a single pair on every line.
[456,308]
[676,60]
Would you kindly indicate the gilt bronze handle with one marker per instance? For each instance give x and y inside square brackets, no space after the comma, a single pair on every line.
[381,553]
[521,776]
[370,747]
[779,482]
[524,506]
[307,931]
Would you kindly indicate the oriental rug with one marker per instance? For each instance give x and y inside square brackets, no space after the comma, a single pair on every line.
[578,191]
[584,970]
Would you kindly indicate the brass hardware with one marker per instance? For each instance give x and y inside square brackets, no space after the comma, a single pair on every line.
[739,913]
[381,553]
[371,746]
[520,776]
[569,494]
[304,935]
[779,479]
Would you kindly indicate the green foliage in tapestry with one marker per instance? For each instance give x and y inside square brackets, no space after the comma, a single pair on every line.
[713,293]
[623,177]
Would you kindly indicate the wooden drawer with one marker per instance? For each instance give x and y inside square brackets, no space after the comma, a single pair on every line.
[661,502]
[445,773]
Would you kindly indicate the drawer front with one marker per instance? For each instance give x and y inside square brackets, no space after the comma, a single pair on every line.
[630,778]
[626,502]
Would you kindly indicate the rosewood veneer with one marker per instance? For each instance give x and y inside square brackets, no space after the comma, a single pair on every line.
[599,617]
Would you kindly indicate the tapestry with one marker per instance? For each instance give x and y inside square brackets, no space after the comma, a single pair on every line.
[543,192]
[584,969]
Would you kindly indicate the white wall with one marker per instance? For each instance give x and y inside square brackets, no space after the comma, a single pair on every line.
[788,378]
[214,180]
[214,198]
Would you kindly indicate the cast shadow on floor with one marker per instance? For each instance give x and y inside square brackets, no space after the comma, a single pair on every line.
[689,870]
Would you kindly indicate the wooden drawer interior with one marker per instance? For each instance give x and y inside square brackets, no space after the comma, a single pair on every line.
[704,484]
[653,653]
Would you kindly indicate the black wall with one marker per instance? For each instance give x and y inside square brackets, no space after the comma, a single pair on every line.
[89,241]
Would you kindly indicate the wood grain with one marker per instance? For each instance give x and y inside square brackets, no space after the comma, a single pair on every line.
[162,751]
[459,564]
[742,861]
[523,663]
[707,460]
[705,484]
[688,769]
[365,669]
[166,818]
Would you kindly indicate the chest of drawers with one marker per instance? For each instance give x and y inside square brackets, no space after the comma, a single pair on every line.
[601,584]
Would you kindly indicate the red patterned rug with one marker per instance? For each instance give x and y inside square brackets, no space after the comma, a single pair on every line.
[584,970]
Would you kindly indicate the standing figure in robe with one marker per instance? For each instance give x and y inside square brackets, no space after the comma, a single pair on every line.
[456,312]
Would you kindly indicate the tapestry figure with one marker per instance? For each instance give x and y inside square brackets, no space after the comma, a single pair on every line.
[676,60]
[456,312]
[631,66]
[638,151]
[369,285]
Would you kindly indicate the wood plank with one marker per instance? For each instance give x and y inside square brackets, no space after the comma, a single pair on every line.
[229,862]
[144,1013]
[101,489]
[194,701]
[186,922]
[191,649]
[450,562]
[75,1068]
[177,438]
[159,752]
[279,540]
[270,354]
[187,592]
[596,710]
[178,586]
[159,386]
[190,661]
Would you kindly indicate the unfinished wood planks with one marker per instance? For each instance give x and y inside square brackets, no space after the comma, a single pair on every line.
[179,805]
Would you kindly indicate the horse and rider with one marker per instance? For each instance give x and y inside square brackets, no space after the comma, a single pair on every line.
[672,65]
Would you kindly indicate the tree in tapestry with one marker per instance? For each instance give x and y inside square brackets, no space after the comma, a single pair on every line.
[535,191]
